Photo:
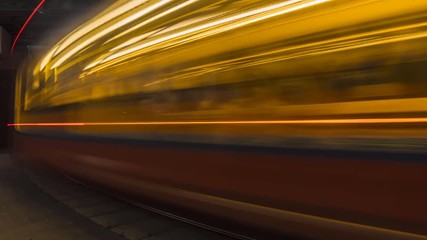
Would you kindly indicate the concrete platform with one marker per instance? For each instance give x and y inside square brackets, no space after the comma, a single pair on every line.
[26,213]
[37,205]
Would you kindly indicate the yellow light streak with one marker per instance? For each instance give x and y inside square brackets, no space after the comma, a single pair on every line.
[274,14]
[128,52]
[333,45]
[133,40]
[92,64]
[101,20]
[107,31]
[139,25]
[47,58]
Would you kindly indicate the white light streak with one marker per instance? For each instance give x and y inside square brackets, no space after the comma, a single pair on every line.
[107,31]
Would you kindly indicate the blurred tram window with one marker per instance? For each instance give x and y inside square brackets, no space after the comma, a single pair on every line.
[238,60]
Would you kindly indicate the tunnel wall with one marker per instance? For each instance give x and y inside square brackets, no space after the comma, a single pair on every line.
[6,89]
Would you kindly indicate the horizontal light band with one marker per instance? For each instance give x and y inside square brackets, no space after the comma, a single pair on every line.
[280,122]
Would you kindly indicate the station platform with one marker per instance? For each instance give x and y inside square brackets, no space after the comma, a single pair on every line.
[34,207]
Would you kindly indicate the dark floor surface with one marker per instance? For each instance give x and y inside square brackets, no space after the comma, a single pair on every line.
[26,213]
[36,204]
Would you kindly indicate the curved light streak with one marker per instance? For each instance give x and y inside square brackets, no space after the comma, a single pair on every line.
[80,32]
[47,58]
[26,24]
[107,31]
[139,25]
[129,52]
[99,21]
[201,27]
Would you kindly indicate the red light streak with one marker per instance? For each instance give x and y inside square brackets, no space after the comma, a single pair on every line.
[25,25]
[45,124]
[276,122]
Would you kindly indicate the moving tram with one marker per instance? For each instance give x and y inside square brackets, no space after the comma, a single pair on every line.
[301,117]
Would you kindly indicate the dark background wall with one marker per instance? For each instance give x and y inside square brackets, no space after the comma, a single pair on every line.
[6,88]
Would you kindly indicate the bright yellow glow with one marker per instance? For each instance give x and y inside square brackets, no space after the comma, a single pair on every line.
[188,22]
[139,25]
[132,41]
[93,64]
[101,20]
[274,14]
[334,45]
[169,42]
[108,30]
[272,10]
[47,58]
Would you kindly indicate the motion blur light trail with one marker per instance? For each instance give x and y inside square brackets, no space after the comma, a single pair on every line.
[25,25]
[305,118]
[322,121]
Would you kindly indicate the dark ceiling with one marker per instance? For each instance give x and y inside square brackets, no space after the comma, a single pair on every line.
[55,19]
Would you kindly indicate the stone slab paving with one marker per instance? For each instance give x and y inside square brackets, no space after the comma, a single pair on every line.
[26,213]
[38,204]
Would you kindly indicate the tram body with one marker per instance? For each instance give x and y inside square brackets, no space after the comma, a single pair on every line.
[300,117]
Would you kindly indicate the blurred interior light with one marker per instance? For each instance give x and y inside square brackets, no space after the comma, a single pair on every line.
[139,25]
[276,13]
[47,58]
[93,64]
[79,33]
[272,10]
[108,30]
[133,40]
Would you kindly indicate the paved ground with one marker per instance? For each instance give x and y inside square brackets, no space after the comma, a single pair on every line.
[26,213]
[44,205]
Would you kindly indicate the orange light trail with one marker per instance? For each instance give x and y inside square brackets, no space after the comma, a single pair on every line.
[276,122]
[45,124]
